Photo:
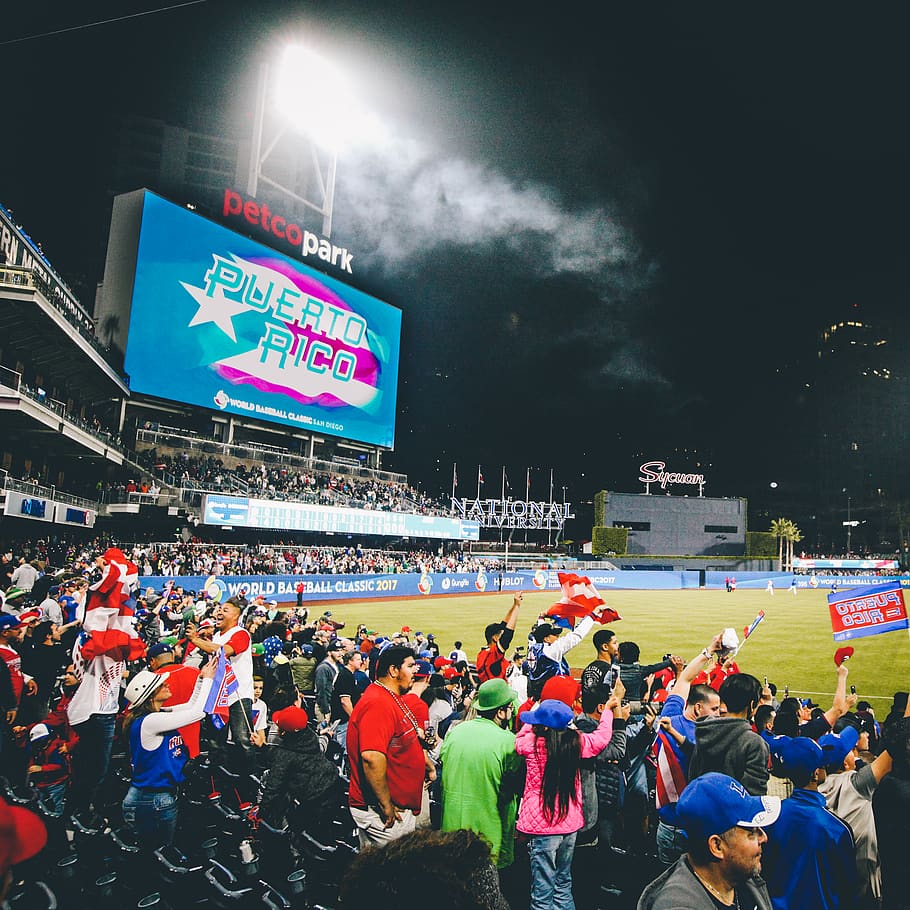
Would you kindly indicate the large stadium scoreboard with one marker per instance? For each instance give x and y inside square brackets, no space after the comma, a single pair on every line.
[220,321]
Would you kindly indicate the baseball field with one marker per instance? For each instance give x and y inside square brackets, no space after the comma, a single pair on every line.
[793,646]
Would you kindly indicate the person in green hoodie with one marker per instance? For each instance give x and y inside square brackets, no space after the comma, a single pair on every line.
[482,774]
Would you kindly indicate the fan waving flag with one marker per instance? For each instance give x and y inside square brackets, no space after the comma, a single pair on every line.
[109,637]
[224,686]
[579,598]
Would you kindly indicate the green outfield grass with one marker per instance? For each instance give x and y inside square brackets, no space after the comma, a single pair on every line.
[793,646]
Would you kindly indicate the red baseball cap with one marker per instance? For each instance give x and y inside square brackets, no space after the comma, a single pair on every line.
[22,835]
[441,662]
[450,673]
[291,719]
[561,688]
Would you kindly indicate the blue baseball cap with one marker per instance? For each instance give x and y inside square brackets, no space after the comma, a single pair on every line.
[799,756]
[159,648]
[549,713]
[837,746]
[715,803]
[423,668]
[8,621]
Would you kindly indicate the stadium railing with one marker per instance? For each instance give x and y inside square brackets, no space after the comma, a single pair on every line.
[274,455]
[33,488]
[19,278]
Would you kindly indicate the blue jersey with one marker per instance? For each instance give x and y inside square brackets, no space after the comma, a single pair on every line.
[673,767]
[809,860]
[161,767]
[539,668]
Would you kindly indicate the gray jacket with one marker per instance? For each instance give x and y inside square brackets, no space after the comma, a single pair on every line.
[728,745]
[679,889]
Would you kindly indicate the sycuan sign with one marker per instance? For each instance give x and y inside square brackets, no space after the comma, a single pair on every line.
[656,472]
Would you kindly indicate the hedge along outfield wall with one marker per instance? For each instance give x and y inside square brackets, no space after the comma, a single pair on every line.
[366,587]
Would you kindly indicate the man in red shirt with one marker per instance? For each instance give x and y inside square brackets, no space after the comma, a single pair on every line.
[10,629]
[385,749]
[181,680]
[491,661]
[12,759]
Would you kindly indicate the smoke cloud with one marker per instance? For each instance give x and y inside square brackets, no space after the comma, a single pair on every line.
[404,203]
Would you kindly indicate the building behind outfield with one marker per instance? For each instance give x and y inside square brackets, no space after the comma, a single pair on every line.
[678,525]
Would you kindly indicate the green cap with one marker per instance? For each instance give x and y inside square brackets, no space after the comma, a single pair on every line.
[495,693]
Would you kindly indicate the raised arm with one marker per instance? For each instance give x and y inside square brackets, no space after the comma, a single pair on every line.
[840,705]
[695,666]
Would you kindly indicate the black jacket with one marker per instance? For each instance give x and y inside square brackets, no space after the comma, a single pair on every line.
[607,766]
[299,771]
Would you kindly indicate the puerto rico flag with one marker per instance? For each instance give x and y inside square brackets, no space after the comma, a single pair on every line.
[224,685]
[671,776]
[579,598]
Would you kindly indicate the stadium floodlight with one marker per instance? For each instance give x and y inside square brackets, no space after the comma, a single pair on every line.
[312,96]
[317,99]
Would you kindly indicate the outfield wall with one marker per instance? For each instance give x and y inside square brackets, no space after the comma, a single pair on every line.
[319,588]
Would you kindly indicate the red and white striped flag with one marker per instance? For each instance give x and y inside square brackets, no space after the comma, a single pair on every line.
[579,598]
[671,778]
[108,639]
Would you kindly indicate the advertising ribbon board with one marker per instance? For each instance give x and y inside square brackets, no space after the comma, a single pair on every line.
[867,611]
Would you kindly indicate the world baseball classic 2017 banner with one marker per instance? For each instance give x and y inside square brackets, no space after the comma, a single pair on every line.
[283,588]
[220,321]
[867,611]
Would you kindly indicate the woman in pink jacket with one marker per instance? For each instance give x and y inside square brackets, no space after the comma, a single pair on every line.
[551,811]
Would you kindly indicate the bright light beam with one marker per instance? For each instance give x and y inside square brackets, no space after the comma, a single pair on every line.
[316,98]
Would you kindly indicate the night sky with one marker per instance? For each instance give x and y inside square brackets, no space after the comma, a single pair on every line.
[614,230]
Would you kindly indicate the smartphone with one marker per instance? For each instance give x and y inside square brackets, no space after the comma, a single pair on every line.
[853,690]
[786,691]
[766,682]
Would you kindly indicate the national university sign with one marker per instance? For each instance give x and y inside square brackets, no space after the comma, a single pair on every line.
[513,513]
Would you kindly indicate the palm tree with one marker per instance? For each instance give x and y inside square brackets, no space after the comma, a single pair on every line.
[779,530]
[793,535]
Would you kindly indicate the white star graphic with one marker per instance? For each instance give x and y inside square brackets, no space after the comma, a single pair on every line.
[219,310]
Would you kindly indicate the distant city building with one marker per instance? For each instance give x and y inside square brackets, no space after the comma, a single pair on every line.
[859,397]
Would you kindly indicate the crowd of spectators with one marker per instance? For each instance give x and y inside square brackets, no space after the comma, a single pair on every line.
[685,772]
[284,483]
[195,557]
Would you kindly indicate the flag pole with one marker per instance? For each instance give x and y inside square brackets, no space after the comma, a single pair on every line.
[454,483]
[527,499]
[549,522]
[503,497]
[478,481]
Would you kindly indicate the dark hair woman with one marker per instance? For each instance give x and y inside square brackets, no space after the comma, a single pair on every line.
[157,752]
[551,812]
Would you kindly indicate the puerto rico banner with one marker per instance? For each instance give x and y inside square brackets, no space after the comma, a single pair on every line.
[867,611]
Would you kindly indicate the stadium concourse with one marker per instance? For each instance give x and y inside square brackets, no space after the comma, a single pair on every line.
[262,781]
